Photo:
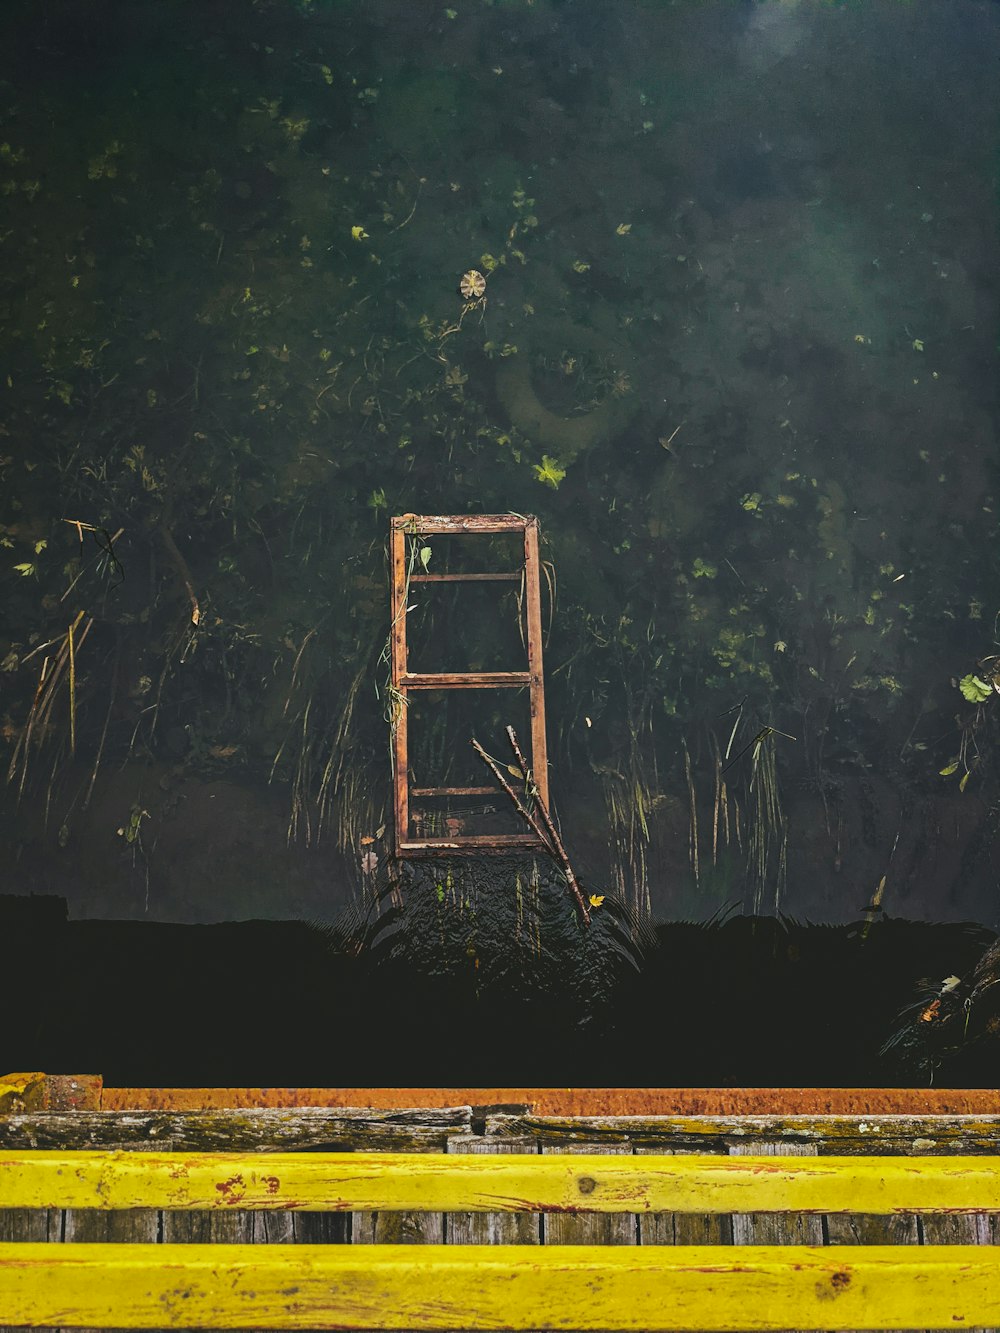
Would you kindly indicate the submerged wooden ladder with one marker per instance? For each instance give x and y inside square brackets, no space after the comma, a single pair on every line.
[405,572]
[487,1286]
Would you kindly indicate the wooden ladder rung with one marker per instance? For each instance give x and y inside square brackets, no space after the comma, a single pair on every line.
[454,791]
[463,680]
[508,576]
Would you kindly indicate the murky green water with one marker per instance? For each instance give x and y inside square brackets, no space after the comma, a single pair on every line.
[736,349]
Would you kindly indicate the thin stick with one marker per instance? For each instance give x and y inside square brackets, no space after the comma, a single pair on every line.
[104,730]
[552,843]
[72,692]
[525,814]
[181,565]
[554,838]
[693,828]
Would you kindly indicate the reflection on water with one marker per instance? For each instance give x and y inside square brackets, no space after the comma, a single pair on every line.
[736,349]
[473,987]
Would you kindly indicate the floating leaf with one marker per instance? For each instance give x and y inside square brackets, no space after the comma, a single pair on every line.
[359,233]
[965,778]
[515,772]
[425,556]
[549,472]
[948,769]
[623,228]
[596,899]
[974,689]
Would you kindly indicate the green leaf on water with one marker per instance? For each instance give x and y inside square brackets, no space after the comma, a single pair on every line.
[974,689]
[425,556]
[948,769]
[549,472]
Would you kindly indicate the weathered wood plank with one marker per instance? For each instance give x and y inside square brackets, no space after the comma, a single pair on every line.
[872,1229]
[957,1229]
[413,1226]
[851,1229]
[89,1227]
[771,1178]
[28,1224]
[800,1227]
[515,1287]
[494,1228]
[459,523]
[41,1224]
[920,1135]
[250,1130]
[682,1228]
[586,1188]
[24,1093]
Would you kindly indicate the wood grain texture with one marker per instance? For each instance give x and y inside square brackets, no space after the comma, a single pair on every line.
[902,1134]
[494,1228]
[588,1228]
[251,1130]
[665,1228]
[785,1227]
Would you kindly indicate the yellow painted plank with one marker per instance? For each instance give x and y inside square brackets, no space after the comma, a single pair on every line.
[330,1182]
[505,1286]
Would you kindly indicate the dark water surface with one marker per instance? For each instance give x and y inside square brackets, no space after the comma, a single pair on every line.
[738,352]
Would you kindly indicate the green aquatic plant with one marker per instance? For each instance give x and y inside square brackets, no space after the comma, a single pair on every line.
[549,473]
[976,690]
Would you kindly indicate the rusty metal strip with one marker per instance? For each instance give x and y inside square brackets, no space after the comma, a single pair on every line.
[579,1101]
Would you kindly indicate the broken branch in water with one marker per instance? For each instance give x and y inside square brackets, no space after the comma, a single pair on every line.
[545,830]
[554,838]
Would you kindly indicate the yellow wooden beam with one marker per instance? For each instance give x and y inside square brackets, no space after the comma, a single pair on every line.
[505,1286]
[331,1182]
